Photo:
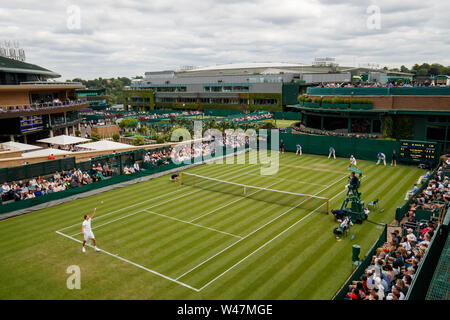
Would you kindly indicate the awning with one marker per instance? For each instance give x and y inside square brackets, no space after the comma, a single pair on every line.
[19,146]
[44,152]
[63,140]
[104,145]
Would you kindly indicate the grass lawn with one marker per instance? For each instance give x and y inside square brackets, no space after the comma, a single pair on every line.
[163,240]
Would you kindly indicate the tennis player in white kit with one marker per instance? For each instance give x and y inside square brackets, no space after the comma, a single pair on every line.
[87,231]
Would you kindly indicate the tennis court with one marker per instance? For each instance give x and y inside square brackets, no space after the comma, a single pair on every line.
[208,240]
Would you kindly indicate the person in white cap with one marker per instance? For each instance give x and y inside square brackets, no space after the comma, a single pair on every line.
[381,157]
[410,236]
[352,162]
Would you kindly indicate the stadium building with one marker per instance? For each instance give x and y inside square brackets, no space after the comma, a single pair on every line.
[97,98]
[414,113]
[33,105]
[244,86]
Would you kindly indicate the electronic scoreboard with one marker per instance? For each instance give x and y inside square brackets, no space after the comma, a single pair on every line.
[418,151]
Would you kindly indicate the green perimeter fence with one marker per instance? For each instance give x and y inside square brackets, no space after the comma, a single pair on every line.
[29,171]
[364,149]
[359,271]
[116,163]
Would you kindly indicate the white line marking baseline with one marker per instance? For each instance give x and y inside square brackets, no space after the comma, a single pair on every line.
[134,264]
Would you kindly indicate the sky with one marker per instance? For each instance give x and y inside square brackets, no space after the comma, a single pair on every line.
[112,38]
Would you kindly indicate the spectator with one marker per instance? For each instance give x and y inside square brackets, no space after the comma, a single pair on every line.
[136,166]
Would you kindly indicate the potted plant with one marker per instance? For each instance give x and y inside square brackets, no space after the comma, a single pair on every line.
[361,104]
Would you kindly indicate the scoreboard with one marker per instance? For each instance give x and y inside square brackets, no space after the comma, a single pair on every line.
[418,151]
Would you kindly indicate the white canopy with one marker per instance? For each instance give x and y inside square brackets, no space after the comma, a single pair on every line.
[19,146]
[44,152]
[104,145]
[64,140]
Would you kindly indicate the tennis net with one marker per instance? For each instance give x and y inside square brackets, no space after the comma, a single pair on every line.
[285,198]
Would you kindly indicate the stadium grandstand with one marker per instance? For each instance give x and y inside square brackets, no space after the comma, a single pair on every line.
[33,105]
[271,86]
[310,230]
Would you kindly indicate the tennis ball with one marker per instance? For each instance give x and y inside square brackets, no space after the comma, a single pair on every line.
[101,202]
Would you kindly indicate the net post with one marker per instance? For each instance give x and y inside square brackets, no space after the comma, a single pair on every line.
[307,203]
[327,206]
[181,178]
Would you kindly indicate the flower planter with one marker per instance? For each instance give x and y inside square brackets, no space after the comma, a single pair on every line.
[312,104]
[335,105]
[366,106]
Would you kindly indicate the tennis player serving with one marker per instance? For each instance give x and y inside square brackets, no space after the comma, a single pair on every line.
[87,231]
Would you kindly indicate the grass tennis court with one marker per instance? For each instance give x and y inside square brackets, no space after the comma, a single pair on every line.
[163,240]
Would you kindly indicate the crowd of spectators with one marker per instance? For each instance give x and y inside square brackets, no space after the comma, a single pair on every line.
[393,267]
[256,116]
[158,157]
[59,181]
[303,129]
[182,153]
[395,264]
[435,195]
[377,84]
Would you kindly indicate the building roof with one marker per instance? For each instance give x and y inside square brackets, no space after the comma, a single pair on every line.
[15,66]
[251,65]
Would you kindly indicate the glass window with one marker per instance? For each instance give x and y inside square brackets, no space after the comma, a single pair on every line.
[377,126]
[436,133]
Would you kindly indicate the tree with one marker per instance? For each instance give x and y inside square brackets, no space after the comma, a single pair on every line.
[143,130]
[95,136]
[138,141]
[128,123]
[116,137]
[388,130]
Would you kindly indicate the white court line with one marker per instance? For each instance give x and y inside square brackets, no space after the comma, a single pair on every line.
[194,224]
[311,168]
[245,237]
[136,212]
[134,264]
[265,244]
[139,203]
[227,204]
[284,179]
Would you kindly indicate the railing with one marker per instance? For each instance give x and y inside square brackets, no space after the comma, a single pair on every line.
[40,106]
[50,83]
[380,91]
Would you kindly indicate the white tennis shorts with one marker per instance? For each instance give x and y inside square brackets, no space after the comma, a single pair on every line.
[88,235]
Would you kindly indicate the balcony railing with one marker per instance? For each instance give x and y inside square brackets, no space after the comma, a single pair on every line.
[47,106]
[51,83]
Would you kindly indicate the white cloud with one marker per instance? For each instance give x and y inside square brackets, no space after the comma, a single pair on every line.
[129,37]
